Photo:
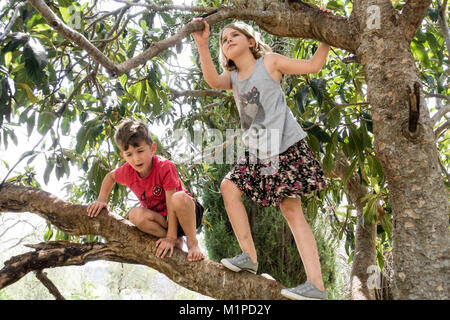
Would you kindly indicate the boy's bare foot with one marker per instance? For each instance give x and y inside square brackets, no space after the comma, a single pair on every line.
[194,252]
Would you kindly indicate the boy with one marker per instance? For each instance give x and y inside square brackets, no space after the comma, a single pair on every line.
[168,211]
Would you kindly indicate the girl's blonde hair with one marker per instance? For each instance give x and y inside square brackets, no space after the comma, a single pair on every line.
[258,50]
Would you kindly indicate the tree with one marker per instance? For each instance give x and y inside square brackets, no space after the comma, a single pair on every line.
[376,137]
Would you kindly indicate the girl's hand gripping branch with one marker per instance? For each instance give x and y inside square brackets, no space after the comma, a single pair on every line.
[202,37]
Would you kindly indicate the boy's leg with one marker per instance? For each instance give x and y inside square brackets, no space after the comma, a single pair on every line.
[184,208]
[238,217]
[149,221]
[304,238]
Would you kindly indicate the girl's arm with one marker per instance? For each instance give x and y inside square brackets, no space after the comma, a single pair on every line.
[210,73]
[284,65]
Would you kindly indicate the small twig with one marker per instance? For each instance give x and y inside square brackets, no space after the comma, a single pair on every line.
[42,276]
[336,106]
[151,6]
[197,93]
[12,21]
[20,160]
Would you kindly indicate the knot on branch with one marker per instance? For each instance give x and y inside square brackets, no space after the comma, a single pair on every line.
[414,107]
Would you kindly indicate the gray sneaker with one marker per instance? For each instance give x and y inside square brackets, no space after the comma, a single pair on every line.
[240,262]
[305,291]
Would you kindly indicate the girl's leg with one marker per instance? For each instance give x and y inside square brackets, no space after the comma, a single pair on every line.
[148,221]
[304,239]
[238,217]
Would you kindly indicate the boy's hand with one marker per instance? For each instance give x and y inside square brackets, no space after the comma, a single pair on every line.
[95,207]
[163,246]
[201,37]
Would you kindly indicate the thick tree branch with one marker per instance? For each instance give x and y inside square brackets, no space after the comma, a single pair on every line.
[442,20]
[55,254]
[412,15]
[72,35]
[280,19]
[442,128]
[125,243]
[309,22]
[441,112]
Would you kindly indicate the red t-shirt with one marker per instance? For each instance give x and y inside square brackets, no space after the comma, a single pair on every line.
[151,190]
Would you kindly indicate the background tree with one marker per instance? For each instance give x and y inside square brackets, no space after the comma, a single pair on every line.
[366,114]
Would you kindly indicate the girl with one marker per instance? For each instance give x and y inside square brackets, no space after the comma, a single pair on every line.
[272,174]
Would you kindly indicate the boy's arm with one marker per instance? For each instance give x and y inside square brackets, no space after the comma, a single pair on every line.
[96,207]
[210,73]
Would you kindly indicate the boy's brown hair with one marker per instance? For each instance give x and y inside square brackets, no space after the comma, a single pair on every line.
[132,132]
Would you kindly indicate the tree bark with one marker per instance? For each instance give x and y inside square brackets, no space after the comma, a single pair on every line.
[277,19]
[409,159]
[125,243]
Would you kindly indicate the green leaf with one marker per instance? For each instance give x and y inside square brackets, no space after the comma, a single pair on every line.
[35,60]
[370,210]
[313,143]
[45,121]
[366,140]
[350,171]
[318,86]
[30,123]
[65,126]
[319,133]
[312,208]
[432,42]
[301,98]
[29,92]
[380,260]
[18,39]
[328,162]
[334,118]
[48,234]
[420,53]
[83,135]
[48,170]
[433,14]
[367,118]
[335,5]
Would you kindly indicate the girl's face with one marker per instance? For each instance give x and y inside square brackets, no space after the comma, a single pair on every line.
[234,43]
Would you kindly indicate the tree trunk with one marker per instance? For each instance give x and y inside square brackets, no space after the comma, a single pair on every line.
[125,243]
[410,160]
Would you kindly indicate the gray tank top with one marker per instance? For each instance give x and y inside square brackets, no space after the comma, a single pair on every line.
[268,125]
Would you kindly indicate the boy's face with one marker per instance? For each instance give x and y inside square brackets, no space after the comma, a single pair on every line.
[140,157]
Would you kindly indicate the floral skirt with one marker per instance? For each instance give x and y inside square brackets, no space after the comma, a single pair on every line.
[291,174]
